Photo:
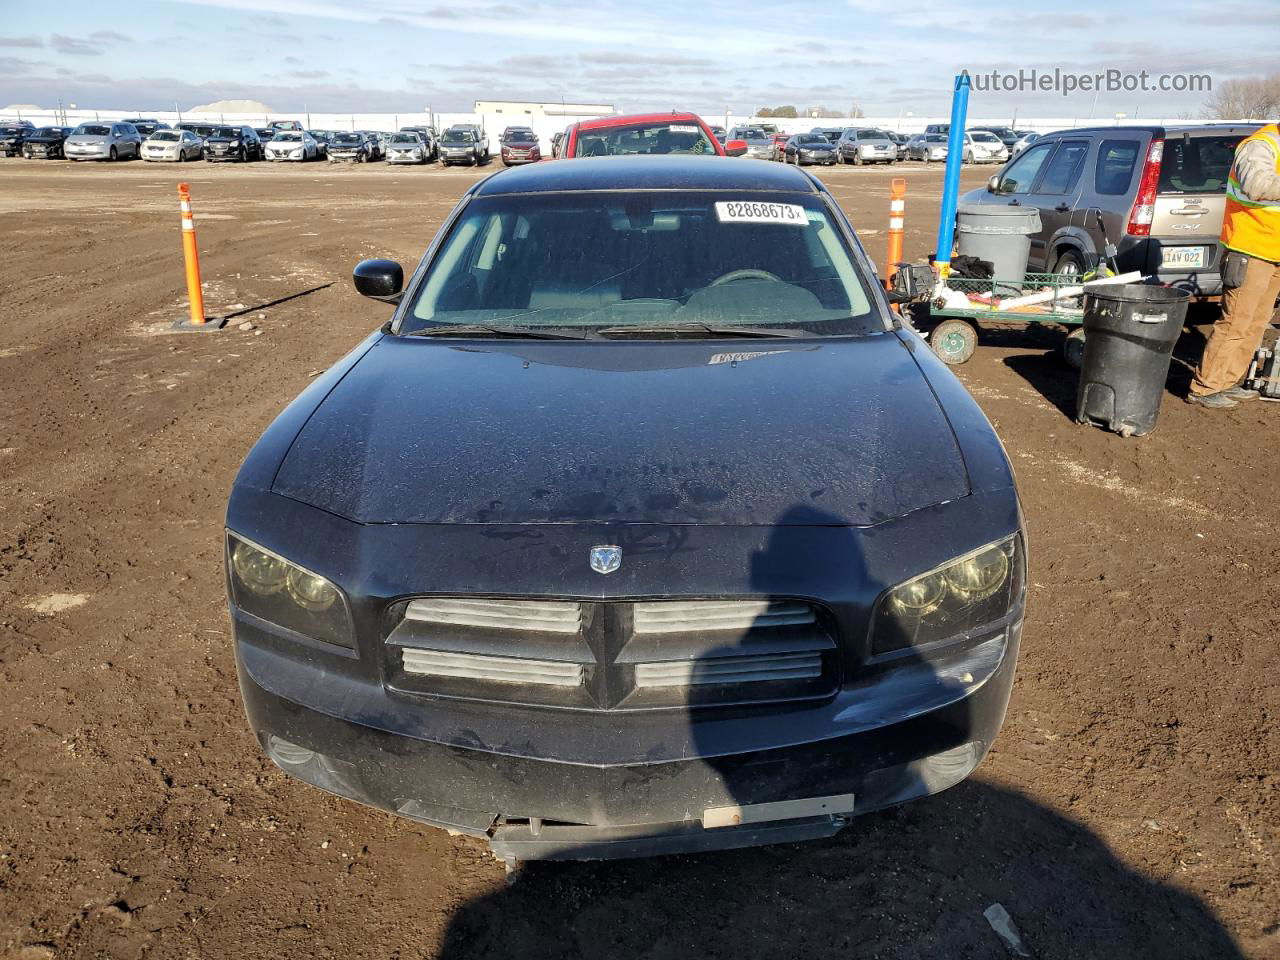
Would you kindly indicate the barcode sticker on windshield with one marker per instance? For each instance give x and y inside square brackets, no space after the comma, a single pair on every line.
[682,128]
[757,211]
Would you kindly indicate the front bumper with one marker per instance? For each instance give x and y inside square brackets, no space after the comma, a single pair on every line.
[786,775]
[88,152]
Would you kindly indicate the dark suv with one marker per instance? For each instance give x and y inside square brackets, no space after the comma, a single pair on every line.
[1159,191]
[233,143]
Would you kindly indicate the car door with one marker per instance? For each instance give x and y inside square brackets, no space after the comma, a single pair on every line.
[1055,193]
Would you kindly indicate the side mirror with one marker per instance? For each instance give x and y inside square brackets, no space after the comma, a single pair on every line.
[993,185]
[379,279]
[735,148]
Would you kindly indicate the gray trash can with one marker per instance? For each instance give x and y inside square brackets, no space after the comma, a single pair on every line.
[1000,234]
[1130,330]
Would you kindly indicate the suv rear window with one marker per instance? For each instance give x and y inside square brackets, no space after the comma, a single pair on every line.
[1197,164]
[1113,171]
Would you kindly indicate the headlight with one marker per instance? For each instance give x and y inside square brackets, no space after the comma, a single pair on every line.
[953,601]
[279,591]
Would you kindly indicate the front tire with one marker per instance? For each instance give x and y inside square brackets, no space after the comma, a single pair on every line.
[114,155]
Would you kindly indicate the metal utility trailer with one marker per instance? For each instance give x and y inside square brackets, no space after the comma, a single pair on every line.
[952,330]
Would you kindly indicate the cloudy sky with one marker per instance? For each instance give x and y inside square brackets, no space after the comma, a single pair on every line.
[395,55]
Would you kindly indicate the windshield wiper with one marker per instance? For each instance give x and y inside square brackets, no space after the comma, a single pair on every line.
[479,330]
[683,329]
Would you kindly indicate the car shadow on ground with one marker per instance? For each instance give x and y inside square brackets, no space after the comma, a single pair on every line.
[906,883]
[909,882]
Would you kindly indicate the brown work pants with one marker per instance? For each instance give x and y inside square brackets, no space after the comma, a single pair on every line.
[1246,311]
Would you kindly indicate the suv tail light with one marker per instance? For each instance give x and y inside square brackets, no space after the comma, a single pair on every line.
[1144,205]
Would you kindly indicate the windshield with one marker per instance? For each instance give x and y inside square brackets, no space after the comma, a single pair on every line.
[1197,164]
[936,138]
[165,136]
[647,258]
[459,136]
[661,137]
[225,133]
[983,137]
[513,135]
[47,132]
[347,138]
[286,137]
[405,138]
[92,130]
[811,139]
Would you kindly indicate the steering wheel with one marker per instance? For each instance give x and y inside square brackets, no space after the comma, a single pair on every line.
[750,273]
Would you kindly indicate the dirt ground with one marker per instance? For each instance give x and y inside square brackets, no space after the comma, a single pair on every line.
[1129,808]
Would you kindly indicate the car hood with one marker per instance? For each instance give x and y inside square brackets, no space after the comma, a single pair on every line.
[522,144]
[91,139]
[458,144]
[741,432]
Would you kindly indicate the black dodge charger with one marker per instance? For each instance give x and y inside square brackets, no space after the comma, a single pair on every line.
[641,527]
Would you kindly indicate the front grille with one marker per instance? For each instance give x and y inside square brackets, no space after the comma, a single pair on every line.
[550,616]
[758,669]
[614,655]
[683,616]
[436,663]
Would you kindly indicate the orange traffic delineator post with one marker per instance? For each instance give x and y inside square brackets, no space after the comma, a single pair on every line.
[191,255]
[897,207]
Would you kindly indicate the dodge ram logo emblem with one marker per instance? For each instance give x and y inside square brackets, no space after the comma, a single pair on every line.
[606,559]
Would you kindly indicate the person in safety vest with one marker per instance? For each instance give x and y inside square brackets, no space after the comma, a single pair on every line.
[1250,271]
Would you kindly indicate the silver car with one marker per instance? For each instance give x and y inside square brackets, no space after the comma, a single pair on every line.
[1025,139]
[104,141]
[759,142]
[174,146]
[406,147]
[865,145]
[929,147]
[297,145]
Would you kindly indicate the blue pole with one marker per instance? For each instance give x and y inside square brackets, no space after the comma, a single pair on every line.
[951,181]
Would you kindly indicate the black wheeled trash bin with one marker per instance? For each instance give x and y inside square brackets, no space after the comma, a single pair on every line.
[1130,330]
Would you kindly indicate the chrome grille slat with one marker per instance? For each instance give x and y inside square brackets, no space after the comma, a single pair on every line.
[546,616]
[676,616]
[436,663]
[751,669]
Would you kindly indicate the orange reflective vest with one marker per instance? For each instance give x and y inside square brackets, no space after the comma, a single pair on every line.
[1249,226]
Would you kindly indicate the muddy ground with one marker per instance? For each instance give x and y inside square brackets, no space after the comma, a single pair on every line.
[1129,808]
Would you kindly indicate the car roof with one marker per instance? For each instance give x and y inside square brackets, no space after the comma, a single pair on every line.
[622,121]
[670,172]
[1173,129]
